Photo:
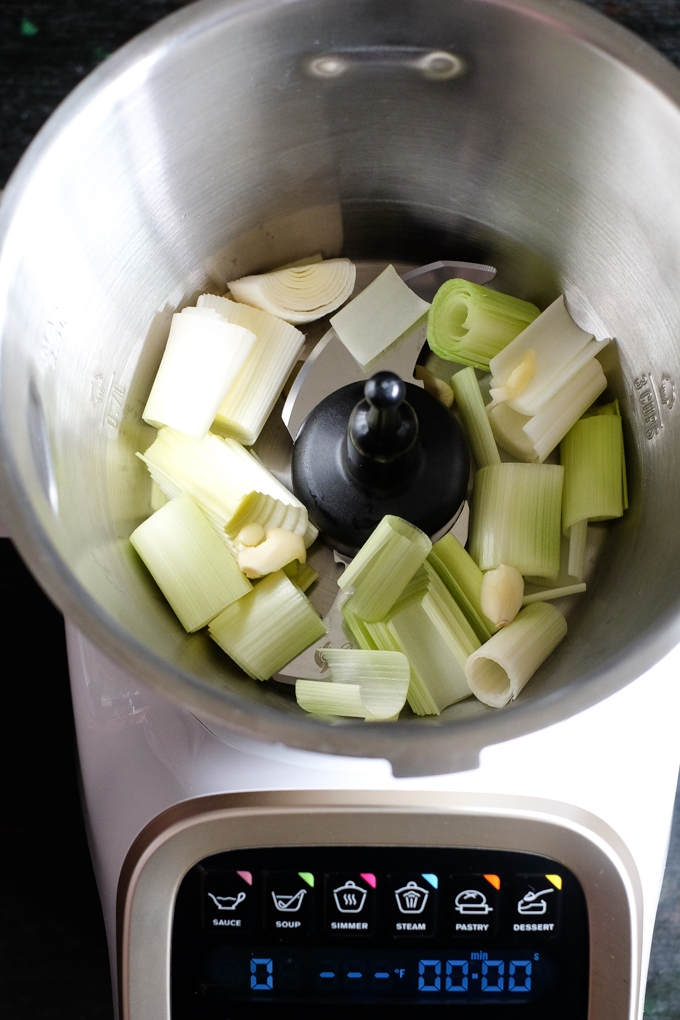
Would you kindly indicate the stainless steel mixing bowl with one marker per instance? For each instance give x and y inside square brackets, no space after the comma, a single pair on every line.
[235,136]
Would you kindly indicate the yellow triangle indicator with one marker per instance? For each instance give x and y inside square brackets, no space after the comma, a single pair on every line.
[556,880]
[493,880]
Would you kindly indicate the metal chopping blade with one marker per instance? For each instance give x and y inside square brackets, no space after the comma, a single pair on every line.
[330,365]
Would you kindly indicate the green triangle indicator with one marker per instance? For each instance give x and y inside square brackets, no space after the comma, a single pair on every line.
[307,877]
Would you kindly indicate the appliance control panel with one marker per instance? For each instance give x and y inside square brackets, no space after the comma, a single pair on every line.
[390,931]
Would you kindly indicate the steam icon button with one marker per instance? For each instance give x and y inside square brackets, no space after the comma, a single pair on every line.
[350,903]
[412,898]
[414,904]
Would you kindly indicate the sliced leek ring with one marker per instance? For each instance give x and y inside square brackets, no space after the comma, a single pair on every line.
[300,293]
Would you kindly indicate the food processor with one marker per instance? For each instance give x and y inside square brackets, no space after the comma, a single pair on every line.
[249,857]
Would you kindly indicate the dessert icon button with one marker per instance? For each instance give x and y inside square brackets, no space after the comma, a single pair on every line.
[536,904]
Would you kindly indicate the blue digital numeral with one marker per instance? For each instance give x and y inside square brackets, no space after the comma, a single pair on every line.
[261,974]
[456,975]
[493,970]
[429,975]
[524,969]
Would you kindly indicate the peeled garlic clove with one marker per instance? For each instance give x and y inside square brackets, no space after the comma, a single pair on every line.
[251,535]
[279,548]
[501,596]
[518,380]
[437,387]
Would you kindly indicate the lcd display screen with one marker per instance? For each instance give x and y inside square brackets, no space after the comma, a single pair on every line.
[394,931]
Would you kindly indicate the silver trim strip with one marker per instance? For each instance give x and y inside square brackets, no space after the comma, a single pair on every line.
[179,838]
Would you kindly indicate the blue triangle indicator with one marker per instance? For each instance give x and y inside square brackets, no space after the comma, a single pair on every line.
[433,880]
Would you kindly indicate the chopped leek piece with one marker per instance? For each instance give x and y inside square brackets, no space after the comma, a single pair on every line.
[308,260]
[189,562]
[508,429]
[463,579]
[378,317]
[202,358]
[613,408]
[498,670]
[301,574]
[382,677]
[251,398]
[300,293]
[428,626]
[434,385]
[357,631]
[157,499]
[383,567]
[548,594]
[564,579]
[502,593]
[532,439]
[578,536]
[623,461]
[547,428]
[321,697]
[515,518]
[218,473]
[268,627]
[470,324]
[437,641]
[260,508]
[558,349]
[593,476]
[279,548]
[477,426]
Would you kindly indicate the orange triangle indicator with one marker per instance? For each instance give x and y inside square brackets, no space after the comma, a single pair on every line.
[556,880]
[493,880]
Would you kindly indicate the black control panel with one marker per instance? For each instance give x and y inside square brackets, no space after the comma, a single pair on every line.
[389,931]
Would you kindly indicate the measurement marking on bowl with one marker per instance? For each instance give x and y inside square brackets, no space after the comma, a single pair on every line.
[648,401]
[667,391]
[97,389]
[52,337]
[111,395]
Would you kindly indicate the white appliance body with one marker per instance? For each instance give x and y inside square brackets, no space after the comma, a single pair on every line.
[162,791]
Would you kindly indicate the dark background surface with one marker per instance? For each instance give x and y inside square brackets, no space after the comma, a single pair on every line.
[53,958]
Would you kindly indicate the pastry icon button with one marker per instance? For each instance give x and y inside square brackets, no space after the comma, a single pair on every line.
[474,905]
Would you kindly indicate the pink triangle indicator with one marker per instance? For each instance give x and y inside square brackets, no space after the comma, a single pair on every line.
[246,876]
[370,880]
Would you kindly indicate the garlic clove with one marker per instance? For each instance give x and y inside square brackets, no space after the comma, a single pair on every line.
[279,548]
[502,593]
[253,534]
[518,380]
[437,387]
